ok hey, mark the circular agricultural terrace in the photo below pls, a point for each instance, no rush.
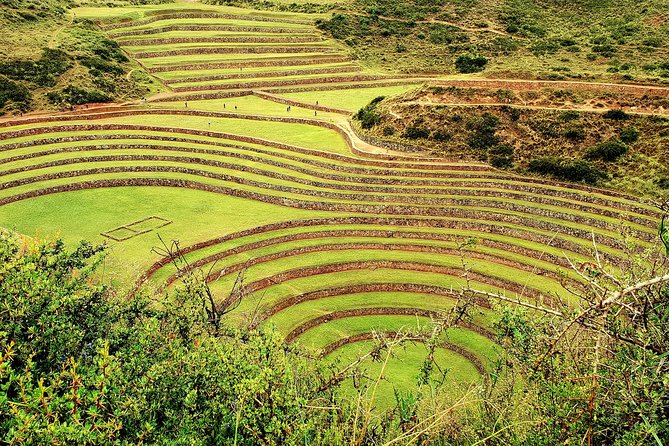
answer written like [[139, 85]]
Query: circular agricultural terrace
[[335, 239]]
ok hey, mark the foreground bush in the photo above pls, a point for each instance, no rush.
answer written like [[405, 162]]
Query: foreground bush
[[78, 367]]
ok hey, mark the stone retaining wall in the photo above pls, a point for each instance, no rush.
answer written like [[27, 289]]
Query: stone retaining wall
[[358, 312], [407, 163], [231, 39], [271, 62], [235, 50], [470, 356], [310, 271], [474, 226], [538, 85], [296, 89], [214, 77], [87, 127], [200, 15], [346, 246], [292, 202], [286, 101], [363, 288], [344, 87], [389, 195], [230, 28], [279, 83]]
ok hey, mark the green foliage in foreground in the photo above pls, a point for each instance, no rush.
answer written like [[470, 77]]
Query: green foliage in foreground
[[78, 366]]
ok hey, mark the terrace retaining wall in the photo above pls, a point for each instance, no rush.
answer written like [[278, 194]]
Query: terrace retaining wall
[[231, 39], [282, 62], [226, 28], [214, 77], [389, 194], [292, 202], [280, 83], [235, 50], [199, 15], [471, 357]]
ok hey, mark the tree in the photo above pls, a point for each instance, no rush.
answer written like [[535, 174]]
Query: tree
[[466, 63]]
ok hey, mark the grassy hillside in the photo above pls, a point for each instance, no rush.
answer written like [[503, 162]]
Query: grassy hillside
[[522, 128], [622, 40], [52, 59]]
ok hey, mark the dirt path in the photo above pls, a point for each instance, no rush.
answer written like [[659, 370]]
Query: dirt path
[[444, 22], [524, 85], [633, 110]]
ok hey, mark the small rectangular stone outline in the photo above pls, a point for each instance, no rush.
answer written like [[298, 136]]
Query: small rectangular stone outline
[[128, 227]]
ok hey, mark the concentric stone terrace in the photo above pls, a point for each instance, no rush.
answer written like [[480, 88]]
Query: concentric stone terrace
[[324, 237]]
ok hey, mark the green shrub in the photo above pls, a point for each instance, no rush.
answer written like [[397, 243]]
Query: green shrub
[[368, 116], [97, 66], [501, 156], [605, 50], [616, 114], [12, 92], [388, 130], [442, 136], [415, 132], [610, 150], [575, 133], [43, 72], [483, 135], [77, 96], [569, 115], [629, 135], [338, 26], [470, 64], [567, 169]]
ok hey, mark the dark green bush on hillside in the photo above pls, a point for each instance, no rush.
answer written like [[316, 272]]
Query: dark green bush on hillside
[[567, 169], [575, 133], [483, 132], [470, 64], [368, 116], [415, 132], [607, 151], [338, 26], [97, 66], [501, 156], [11, 92], [617, 115], [43, 72], [77, 96], [630, 135]]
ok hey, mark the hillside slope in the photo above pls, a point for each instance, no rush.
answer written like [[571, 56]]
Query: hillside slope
[[579, 39], [52, 59]]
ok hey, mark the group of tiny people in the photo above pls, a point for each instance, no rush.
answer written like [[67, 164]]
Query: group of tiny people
[[288, 108]]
